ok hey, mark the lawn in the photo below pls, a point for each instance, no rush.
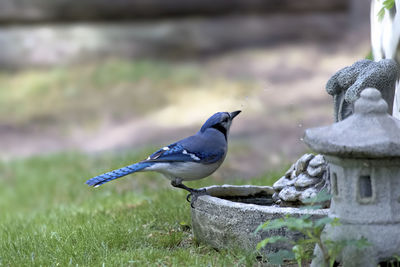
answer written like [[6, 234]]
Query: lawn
[[49, 217]]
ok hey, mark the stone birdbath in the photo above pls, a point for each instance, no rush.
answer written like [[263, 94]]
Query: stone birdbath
[[229, 215]]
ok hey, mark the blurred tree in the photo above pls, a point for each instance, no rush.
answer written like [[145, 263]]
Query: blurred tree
[[64, 10], [385, 37]]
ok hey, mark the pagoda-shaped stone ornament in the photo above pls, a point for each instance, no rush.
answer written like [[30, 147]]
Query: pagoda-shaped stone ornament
[[363, 152]]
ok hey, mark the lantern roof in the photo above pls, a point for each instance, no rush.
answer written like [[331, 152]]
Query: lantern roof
[[369, 133]]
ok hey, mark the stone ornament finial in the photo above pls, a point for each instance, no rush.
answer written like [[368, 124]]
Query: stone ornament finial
[[371, 102]]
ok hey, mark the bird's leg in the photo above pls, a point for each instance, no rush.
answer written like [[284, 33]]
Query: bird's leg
[[193, 193]]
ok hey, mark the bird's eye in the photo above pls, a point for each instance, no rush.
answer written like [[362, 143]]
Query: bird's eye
[[225, 120]]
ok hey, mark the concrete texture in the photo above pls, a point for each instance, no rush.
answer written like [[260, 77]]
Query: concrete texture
[[385, 244], [304, 179], [348, 203], [364, 163], [346, 84], [223, 223]]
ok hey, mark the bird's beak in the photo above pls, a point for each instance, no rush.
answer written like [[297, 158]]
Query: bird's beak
[[234, 114]]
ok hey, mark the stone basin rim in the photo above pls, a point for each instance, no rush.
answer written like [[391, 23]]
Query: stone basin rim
[[217, 192]]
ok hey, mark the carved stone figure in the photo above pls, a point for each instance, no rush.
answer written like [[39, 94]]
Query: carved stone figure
[[303, 180], [346, 85]]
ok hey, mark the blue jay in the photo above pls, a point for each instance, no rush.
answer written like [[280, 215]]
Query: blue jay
[[192, 158]]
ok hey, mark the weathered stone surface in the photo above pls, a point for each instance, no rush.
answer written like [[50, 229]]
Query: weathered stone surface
[[323, 183], [301, 163], [308, 171], [308, 193], [384, 243], [281, 183], [346, 85], [289, 193], [275, 198], [317, 161], [315, 171], [289, 172], [363, 152], [223, 224], [303, 180]]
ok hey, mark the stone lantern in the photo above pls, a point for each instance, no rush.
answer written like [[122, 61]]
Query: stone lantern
[[363, 152]]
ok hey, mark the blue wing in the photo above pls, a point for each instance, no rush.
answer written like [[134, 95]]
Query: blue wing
[[187, 150], [173, 152]]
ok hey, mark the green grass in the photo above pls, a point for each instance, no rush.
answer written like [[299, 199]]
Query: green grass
[[49, 217]]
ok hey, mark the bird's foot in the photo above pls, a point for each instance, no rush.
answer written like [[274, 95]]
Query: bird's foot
[[194, 194]]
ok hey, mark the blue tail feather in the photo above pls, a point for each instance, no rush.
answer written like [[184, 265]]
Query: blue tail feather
[[115, 174]]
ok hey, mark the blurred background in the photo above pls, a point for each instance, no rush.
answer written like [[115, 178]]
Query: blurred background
[[93, 85], [99, 77]]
